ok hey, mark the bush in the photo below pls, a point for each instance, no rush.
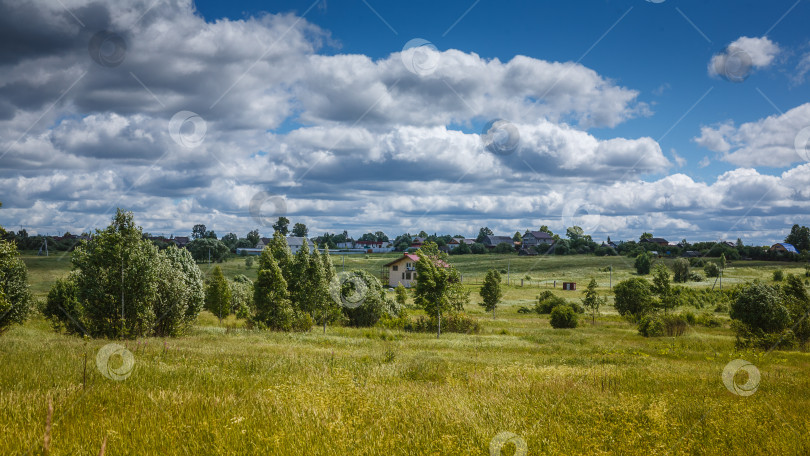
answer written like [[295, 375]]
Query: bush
[[643, 263], [451, 322], [681, 269], [163, 290], [712, 270], [760, 307], [778, 275], [524, 310], [695, 277], [374, 302], [547, 301], [747, 337], [504, 248], [689, 317], [15, 297], [563, 317], [709, 321], [662, 325], [478, 248], [697, 262], [633, 297]]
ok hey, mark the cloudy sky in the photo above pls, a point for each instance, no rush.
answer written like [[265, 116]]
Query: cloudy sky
[[688, 119]]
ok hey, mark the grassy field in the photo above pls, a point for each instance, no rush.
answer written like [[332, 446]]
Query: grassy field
[[596, 389]]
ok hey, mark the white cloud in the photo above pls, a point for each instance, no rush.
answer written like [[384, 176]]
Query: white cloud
[[741, 56], [765, 142]]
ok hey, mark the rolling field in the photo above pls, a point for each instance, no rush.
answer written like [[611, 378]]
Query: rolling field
[[596, 389]]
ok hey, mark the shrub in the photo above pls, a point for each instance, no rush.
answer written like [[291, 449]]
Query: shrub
[[778, 275], [633, 297], [681, 269], [504, 248], [162, 290], [524, 310], [15, 297], [451, 322], [374, 302], [747, 337], [708, 320], [643, 263], [689, 317], [712, 270], [662, 325], [478, 248], [563, 317], [761, 307], [547, 301], [697, 262], [695, 277]]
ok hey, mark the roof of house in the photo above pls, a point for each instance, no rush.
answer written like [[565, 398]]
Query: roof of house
[[540, 235], [789, 247], [495, 240], [414, 257], [296, 240], [656, 240]]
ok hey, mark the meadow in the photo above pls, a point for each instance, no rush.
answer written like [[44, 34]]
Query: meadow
[[596, 389]]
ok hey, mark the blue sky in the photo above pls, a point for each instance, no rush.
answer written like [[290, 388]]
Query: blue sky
[[233, 113]]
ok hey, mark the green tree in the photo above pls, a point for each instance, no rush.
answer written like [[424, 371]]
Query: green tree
[[300, 230], [592, 301], [644, 236], [517, 237], [122, 286], [365, 290], [321, 272], [662, 289], [722, 262], [241, 296], [282, 225], [270, 296], [483, 233], [491, 292], [253, 237], [15, 297], [760, 306], [437, 282], [248, 261], [198, 232], [643, 263], [180, 292], [681, 269], [205, 249], [381, 237], [633, 297], [218, 294], [800, 238], [401, 295]]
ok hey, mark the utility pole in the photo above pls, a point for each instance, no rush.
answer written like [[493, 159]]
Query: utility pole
[[508, 263]]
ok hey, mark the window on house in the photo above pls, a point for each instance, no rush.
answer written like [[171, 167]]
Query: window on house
[[407, 276], [396, 267], [403, 276]]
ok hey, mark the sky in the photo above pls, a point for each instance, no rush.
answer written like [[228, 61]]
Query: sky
[[686, 119]]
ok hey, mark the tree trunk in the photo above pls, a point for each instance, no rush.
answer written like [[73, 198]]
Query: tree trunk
[[439, 326]]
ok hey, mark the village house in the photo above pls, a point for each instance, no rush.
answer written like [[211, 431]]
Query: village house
[[660, 241], [403, 270], [294, 242], [535, 238], [492, 241], [784, 247]]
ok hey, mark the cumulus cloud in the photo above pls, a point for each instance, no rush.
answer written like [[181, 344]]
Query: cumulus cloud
[[767, 142], [347, 141], [743, 55]]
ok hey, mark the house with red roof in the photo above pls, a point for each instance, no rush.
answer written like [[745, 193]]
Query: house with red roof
[[403, 270]]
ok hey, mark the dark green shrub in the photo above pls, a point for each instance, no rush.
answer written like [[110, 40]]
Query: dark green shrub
[[778, 275], [697, 262], [708, 320], [547, 301], [643, 263], [662, 325], [761, 306], [633, 297], [689, 317], [563, 317], [695, 277], [451, 322], [712, 270], [524, 310]]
